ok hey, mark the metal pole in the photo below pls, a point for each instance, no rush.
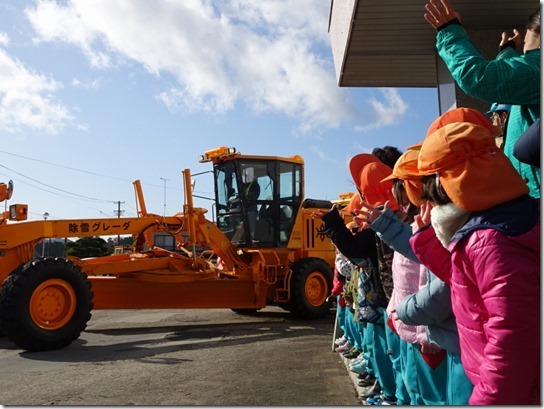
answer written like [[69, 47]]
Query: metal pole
[[118, 211], [45, 216], [335, 328], [164, 211]]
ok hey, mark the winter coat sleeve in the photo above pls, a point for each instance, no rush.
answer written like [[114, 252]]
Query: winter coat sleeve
[[354, 247], [527, 147], [337, 283], [430, 305], [507, 276], [432, 254], [506, 79], [394, 233]]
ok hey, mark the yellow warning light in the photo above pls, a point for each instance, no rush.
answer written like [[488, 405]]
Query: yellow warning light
[[215, 153]]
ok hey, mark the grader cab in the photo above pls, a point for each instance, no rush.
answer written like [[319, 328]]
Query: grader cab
[[263, 248]]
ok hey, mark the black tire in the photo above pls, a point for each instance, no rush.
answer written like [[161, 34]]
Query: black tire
[[45, 305], [7, 282], [311, 284]]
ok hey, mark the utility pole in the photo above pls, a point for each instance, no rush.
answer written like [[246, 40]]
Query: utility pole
[[164, 211], [119, 212]]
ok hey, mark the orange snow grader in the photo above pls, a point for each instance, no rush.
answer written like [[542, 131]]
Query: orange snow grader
[[262, 248]]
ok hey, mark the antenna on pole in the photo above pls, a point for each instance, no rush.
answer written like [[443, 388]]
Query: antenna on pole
[[164, 211]]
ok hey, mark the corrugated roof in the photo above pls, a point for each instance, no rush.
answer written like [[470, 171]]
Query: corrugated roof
[[391, 45]]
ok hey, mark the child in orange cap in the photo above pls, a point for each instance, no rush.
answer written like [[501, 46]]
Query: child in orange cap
[[426, 308], [486, 224], [418, 382], [366, 250]]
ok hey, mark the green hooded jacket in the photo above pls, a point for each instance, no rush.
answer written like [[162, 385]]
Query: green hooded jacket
[[511, 78]]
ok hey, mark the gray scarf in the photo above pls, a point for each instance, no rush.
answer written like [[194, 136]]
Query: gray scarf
[[446, 220]]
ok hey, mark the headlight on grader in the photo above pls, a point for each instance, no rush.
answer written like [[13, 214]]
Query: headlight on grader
[[18, 212]]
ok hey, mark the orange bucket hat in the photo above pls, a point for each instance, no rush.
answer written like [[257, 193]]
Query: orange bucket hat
[[367, 172], [460, 115], [374, 192], [456, 115], [358, 162], [406, 170], [475, 174]]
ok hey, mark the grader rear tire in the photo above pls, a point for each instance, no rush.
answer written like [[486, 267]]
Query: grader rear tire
[[310, 286], [45, 305]]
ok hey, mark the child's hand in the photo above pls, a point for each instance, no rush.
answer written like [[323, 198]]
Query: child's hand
[[370, 214], [423, 219], [319, 213], [429, 349]]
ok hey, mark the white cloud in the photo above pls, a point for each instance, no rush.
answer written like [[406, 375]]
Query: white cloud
[[93, 84], [270, 55], [26, 98], [386, 112], [324, 156], [4, 39]]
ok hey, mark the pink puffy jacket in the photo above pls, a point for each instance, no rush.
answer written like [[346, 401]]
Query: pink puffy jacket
[[408, 278], [495, 285]]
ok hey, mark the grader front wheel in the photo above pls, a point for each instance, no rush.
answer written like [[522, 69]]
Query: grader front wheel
[[45, 305], [310, 286]]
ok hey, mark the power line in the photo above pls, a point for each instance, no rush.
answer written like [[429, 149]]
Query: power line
[[56, 188], [65, 167], [82, 171]]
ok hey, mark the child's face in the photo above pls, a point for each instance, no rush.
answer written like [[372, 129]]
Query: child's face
[[404, 203]]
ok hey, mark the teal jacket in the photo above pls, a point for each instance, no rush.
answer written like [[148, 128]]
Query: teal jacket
[[511, 78]]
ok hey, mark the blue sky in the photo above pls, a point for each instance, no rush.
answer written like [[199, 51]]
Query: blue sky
[[96, 94]]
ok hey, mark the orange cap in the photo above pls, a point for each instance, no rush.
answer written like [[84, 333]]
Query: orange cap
[[415, 147], [375, 192], [460, 115], [406, 170], [475, 174], [358, 162]]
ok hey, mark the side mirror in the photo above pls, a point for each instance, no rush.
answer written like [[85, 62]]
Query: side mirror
[[6, 191]]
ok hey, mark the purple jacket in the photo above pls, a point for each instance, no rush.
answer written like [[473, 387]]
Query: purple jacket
[[495, 291]]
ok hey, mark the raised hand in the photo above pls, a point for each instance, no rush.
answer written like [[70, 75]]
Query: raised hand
[[319, 213], [440, 13], [368, 213], [423, 219], [515, 37]]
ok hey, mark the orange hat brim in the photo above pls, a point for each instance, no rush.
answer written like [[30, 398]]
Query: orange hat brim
[[358, 162]]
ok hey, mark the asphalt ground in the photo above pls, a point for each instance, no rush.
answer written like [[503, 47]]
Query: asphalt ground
[[184, 358]]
